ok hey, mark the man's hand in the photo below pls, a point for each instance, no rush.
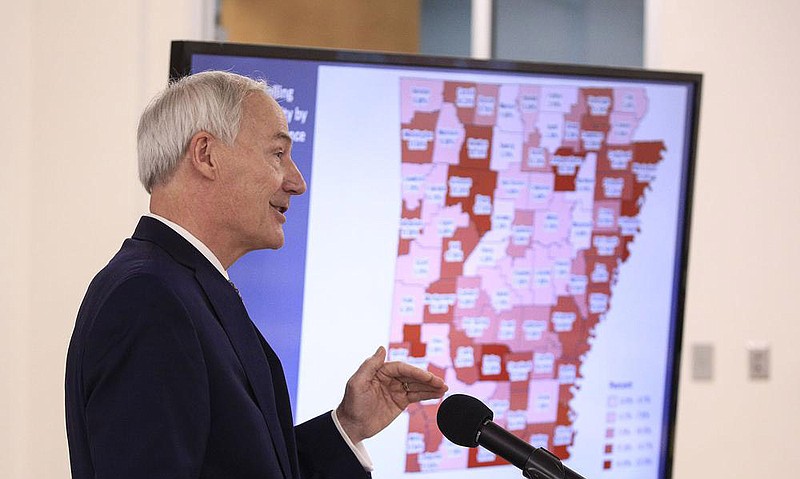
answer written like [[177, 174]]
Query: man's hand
[[378, 392]]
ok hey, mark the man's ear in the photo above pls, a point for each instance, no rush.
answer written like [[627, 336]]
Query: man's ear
[[200, 155]]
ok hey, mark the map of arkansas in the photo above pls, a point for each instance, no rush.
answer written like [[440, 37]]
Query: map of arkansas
[[519, 204]]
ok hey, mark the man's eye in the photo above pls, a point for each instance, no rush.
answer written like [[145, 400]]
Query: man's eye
[[279, 155]]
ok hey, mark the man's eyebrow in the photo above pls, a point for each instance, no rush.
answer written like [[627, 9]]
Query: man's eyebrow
[[283, 136]]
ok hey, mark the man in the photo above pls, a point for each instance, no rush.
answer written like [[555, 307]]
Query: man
[[167, 377]]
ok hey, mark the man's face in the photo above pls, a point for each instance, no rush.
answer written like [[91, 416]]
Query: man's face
[[258, 176]]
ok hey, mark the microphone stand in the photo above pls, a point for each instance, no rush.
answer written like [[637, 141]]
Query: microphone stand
[[539, 464], [543, 464]]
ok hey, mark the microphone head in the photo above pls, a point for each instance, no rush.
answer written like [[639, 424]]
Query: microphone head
[[461, 417]]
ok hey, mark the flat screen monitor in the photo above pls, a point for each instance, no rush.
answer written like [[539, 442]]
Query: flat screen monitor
[[519, 229]]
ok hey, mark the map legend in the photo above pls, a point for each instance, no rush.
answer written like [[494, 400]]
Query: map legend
[[629, 434]]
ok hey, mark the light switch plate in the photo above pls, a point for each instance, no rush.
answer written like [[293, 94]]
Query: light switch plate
[[758, 361], [702, 361]]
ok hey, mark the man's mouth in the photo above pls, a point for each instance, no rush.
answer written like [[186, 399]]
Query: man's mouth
[[281, 209]]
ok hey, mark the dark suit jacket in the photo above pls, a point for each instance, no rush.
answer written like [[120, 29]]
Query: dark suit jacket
[[167, 377]]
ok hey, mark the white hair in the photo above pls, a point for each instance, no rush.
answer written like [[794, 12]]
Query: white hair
[[209, 101]]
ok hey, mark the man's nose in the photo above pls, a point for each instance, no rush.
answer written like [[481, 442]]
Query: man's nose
[[294, 183]]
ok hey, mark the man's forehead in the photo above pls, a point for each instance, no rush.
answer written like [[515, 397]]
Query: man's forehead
[[283, 125], [261, 101], [267, 110]]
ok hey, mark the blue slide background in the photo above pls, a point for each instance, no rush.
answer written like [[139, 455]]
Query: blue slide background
[[272, 282]]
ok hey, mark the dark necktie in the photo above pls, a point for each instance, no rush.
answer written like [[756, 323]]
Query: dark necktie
[[235, 288]]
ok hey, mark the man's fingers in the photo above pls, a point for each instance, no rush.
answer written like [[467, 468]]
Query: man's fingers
[[408, 379], [411, 383], [412, 387], [372, 364], [422, 396], [379, 356], [407, 373], [435, 384]]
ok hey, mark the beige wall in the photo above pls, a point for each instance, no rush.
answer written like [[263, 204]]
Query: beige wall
[[745, 258], [15, 133], [75, 76]]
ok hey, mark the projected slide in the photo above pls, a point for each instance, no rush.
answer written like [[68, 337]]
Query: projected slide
[[518, 234], [518, 239]]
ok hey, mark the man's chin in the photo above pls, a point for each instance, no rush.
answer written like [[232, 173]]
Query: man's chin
[[273, 239], [275, 242]]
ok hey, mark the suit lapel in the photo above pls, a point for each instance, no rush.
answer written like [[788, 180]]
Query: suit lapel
[[235, 321], [282, 399], [241, 332]]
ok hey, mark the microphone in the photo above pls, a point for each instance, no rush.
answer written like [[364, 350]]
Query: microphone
[[466, 421]]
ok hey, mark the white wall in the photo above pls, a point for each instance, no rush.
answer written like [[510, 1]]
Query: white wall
[[744, 259], [75, 76]]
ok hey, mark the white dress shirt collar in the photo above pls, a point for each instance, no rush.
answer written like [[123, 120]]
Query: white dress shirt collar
[[192, 239]]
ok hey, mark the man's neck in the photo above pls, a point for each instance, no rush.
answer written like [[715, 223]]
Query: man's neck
[[194, 241], [200, 226]]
